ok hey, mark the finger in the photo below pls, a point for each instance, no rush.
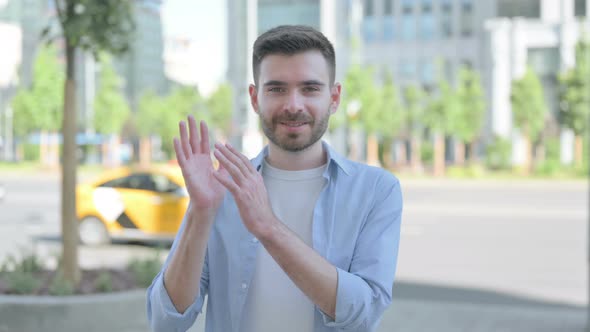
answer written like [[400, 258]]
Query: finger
[[233, 158], [184, 139], [194, 135], [244, 159], [179, 153], [229, 166], [205, 138], [226, 180]]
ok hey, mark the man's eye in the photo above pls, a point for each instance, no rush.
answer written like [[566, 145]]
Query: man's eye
[[311, 89], [276, 89]]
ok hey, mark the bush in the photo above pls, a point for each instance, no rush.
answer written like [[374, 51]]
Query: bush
[[22, 282], [498, 154], [427, 153], [60, 286], [104, 282], [145, 270]]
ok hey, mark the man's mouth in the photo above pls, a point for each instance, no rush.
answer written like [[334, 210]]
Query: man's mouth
[[293, 124]]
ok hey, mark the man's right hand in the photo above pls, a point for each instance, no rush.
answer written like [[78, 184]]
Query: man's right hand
[[193, 155]]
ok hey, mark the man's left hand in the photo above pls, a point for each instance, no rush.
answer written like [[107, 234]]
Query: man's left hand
[[247, 187]]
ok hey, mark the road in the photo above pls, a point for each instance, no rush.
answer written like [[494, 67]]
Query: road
[[468, 247]]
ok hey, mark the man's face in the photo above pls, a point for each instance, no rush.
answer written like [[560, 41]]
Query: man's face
[[294, 99]]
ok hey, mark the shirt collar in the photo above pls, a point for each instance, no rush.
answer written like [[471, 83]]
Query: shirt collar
[[333, 157]]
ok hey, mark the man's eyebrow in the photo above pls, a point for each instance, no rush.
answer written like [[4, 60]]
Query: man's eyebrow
[[275, 83], [304, 83], [312, 82]]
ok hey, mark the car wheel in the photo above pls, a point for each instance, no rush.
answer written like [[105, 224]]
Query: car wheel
[[93, 232]]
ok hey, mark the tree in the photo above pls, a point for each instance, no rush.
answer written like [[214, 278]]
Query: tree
[[151, 109], [574, 97], [414, 110], [471, 106], [443, 107], [110, 107], [93, 26], [38, 107], [220, 107], [528, 110], [387, 121]]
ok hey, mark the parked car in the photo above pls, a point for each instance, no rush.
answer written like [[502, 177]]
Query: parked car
[[130, 203]]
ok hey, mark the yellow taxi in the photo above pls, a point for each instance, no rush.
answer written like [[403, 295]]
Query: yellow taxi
[[132, 203]]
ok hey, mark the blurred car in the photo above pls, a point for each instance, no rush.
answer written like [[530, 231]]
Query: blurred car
[[127, 203]]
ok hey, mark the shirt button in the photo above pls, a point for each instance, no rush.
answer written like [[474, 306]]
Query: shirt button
[[244, 286], [254, 240]]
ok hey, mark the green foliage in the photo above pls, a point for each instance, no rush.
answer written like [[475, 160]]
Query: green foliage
[[145, 270], [498, 154], [358, 88], [104, 282], [443, 108], [220, 106], [39, 107], [110, 106], [160, 115], [20, 272], [574, 92], [414, 107], [467, 122], [60, 286], [427, 153], [528, 105], [22, 282], [31, 152], [97, 26]]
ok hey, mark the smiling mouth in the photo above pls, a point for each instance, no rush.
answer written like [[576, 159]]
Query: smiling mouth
[[293, 124]]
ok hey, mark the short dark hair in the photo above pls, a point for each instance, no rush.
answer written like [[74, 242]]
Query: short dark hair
[[290, 40]]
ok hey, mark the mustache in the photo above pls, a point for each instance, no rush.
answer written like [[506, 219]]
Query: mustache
[[289, 117]]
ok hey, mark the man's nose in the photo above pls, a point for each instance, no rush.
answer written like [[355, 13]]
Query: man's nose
[[294, 102]]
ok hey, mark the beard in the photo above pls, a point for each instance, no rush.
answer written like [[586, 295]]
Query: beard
[[294, 142]]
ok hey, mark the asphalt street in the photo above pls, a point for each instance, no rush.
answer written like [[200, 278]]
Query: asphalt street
[[474, 255]]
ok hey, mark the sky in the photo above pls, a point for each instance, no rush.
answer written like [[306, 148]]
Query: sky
[[203, 21]]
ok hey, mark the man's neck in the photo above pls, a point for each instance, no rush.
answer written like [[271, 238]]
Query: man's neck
[[312, 157]]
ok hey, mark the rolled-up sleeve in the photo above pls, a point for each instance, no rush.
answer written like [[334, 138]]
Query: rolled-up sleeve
[[161, 312], [365, 290]]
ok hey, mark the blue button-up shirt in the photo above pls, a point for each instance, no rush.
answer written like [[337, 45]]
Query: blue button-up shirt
[[356, 227]]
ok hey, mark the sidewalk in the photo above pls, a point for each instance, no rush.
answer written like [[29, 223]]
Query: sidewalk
[[432, 308]]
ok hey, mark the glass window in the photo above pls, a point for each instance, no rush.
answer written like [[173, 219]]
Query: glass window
[[446, 6], [427, 27], [388, 7], [369, 27], [407, 6], [388, 28], [580, 9], [522, 8], [141, 181], [407, 69], [426, 6], [408, 27], [426, 71], [466, 18], [368, 8]]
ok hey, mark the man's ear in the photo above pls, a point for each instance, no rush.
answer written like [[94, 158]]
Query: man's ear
[[253, 91], [335, 94]]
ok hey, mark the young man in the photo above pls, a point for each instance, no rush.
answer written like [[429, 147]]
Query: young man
[[299, 238]]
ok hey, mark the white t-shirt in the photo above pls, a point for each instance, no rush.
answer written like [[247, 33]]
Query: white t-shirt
[[274, 303]]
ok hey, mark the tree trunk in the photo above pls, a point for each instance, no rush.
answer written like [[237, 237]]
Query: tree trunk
[[69, 223], [373, 150], [416, 158], [527, 165], [145, 151], [578, 151], [401, 153], [460, 153], [43, 155], [439, 155]]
